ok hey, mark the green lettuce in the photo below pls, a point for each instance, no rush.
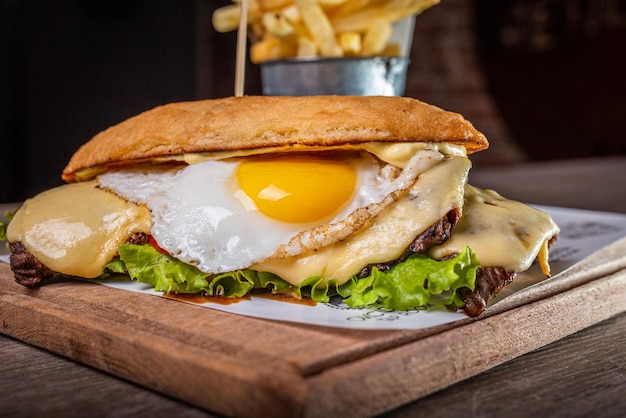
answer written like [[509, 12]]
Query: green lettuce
[[167, 274], [418, 281], [4, 225], [415, 282]]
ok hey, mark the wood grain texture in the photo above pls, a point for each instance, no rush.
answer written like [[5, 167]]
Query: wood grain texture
[[37, 383], [582, 375], [579, 376], [280, 369]]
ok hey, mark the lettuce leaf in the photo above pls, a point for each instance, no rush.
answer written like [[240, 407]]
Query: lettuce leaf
[[415, 282], [4, 225], [167, 274]]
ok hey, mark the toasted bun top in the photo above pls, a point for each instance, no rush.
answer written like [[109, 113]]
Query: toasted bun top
[[256, 122]]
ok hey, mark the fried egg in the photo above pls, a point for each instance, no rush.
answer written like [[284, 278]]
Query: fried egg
[[229, 214]]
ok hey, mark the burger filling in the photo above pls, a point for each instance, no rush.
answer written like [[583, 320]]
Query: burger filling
[[86, 231]]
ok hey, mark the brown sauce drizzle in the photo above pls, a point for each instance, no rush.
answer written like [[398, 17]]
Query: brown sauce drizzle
[[284, 297], [204, 298], [220, 300]]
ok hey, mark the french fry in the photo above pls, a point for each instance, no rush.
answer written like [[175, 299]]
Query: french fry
[[325, 4], [254, 9], [391, 50], [256, 32], [265, 50], [349, 7], [226, 19], [270, 5], [376, 37], [277, 24], [320, 28], [291, 13], [350, 42], [271, 49], [391, 11], [306, 47]]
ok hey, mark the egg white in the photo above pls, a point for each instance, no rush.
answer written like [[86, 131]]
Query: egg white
[[202, 217]]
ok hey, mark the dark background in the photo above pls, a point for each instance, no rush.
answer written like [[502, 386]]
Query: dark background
[[547, 77], [557, 70]]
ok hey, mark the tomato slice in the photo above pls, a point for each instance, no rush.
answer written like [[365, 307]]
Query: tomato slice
[[156, 246]]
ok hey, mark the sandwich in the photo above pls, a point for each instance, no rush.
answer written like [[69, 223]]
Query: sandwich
[[360, 199]]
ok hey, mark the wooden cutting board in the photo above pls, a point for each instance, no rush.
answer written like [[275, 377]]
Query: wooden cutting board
[[240, 366]]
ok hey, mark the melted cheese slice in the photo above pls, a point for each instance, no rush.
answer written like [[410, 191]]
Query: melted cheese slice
[[77, 228], [501, 232], [397, 154], [436, 192]]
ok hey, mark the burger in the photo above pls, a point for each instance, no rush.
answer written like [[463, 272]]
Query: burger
[[359, 198]]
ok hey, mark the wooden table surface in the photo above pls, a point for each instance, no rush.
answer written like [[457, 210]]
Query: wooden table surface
[[581, 375]]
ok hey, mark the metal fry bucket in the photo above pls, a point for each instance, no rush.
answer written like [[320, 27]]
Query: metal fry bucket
[[371, 76]]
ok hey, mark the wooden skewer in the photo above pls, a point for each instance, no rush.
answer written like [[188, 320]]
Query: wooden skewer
[[242, 34]]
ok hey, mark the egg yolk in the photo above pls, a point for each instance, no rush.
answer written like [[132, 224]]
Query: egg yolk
[[298, 189]]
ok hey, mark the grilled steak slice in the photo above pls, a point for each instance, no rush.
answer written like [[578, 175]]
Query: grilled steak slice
[[489, 281], [27, 269], [437, 234]]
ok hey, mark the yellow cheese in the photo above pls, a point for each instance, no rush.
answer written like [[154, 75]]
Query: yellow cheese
[[76, 229], [436, 192], [397, 154], [501, 232]]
